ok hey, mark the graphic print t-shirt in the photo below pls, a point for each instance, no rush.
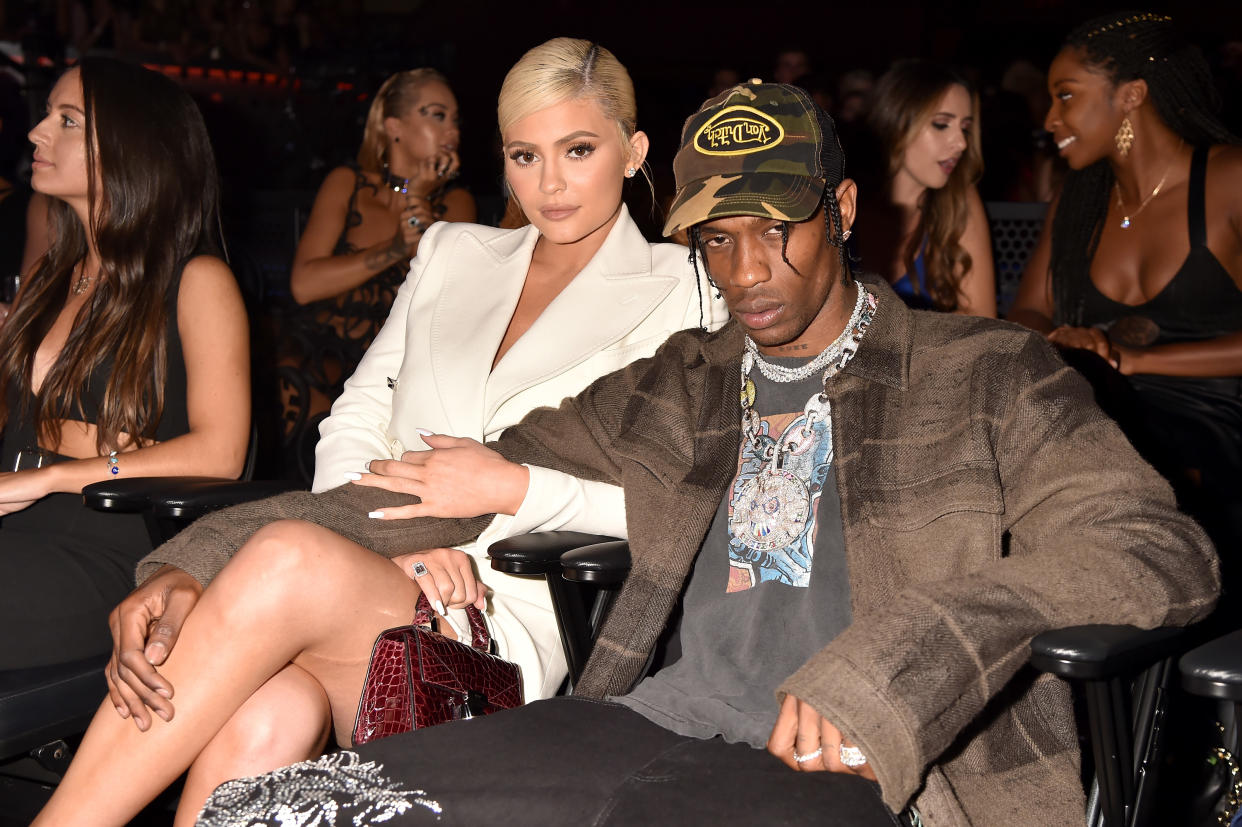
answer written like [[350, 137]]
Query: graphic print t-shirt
[[770, 585]]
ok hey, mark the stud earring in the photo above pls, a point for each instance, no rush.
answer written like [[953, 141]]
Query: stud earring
[[845, 236], [1124, 137], [629, 172]]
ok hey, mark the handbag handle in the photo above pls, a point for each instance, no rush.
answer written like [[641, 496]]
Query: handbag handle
[[479, 637]]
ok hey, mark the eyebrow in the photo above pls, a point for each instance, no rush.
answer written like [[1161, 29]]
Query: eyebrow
[[570, 138], [68, 106]]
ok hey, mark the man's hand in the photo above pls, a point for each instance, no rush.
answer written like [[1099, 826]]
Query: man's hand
[[800, 731], [457, 478], [145, 627]]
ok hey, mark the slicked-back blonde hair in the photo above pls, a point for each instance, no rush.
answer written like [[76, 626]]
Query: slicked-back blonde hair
[[565, 69], [395, 97]]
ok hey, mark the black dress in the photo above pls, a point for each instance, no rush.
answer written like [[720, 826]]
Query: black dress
[[63, 567], [1190, 428]]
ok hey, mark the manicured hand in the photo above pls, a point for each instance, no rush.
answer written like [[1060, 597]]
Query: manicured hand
[[800, 731], [446, 576], [145, 627], [456, 478]]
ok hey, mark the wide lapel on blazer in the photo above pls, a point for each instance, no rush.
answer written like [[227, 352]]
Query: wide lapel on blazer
[[613, 293], [481, 286]]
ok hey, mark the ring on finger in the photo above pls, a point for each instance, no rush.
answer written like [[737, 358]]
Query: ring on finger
[[852, 756], [810, 756], [420, 569]]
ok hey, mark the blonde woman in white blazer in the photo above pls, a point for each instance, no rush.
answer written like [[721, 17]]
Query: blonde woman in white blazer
[[430, 368], [269, 658]]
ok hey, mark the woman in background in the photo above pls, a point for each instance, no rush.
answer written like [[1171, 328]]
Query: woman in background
[[366, 225], [1139, 268], [930, 237], [125, 354]]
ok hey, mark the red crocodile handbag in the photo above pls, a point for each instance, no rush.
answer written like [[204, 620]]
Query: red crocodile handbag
[[419, 678]]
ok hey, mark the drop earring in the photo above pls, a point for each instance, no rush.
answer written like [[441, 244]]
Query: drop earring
[[1124, 137]]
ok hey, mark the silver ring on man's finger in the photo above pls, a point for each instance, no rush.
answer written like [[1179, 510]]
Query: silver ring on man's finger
[[420, 569], [810, 756], [415, 222], [852, 756]]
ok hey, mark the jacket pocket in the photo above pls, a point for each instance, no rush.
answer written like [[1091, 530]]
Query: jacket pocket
[[913, 504]]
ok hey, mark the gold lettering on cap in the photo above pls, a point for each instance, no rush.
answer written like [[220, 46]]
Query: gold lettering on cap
[[738, 130]]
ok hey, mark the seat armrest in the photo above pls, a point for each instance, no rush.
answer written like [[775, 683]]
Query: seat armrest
[[131, 495], [1214, 670], [538, 552], [1100, 652], [188, 499], [603, 564]]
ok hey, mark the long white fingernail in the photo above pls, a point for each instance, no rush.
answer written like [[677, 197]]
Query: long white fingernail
[[376, 515], [353, 475], [424, 432], [440, 607]]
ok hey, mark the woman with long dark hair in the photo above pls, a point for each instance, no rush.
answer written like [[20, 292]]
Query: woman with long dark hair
[[125, 354], [929, 237], [1140, 262]]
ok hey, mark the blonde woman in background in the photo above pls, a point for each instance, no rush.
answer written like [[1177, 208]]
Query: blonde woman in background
[[269, 657], [366, 224]]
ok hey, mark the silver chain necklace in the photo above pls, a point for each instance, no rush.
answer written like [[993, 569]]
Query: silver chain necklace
[[771, 509], [832, 353]]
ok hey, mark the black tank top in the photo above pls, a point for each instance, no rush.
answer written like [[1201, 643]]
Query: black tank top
[[1201, 302], [19, 431]]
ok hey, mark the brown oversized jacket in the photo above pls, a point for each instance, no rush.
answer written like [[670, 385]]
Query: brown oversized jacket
[[984, 496]]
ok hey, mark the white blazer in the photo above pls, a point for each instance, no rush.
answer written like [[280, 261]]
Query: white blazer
[[431, 367]]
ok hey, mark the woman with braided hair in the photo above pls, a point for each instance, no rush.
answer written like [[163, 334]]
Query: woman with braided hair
[[1141, 260]]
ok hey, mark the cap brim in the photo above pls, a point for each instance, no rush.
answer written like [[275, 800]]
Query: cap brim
[[776, 195]]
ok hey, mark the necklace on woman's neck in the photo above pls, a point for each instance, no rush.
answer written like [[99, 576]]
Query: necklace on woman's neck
[[396, 183], [83, 282], [1126, 218]]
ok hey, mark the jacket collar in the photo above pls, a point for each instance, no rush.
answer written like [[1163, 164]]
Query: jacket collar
[[884, 356], [612, 294]]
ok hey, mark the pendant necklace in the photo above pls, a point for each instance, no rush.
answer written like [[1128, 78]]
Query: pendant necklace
[[1125, 219], [771, 509], [82, 282]]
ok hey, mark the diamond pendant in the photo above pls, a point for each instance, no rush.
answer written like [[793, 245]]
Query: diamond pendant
[[1125, 222]]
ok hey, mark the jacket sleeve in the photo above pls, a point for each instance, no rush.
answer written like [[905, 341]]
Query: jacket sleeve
[[356, 431], [203, 548], [1095, 537], [571, 439]]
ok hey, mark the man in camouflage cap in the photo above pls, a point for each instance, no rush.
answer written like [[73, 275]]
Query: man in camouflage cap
[[846, 521]]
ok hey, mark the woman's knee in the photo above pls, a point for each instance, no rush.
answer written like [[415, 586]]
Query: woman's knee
[[289, 553]]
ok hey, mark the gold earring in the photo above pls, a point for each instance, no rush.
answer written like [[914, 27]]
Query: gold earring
[[1124, 137]]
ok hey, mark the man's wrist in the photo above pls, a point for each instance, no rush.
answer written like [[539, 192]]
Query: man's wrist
[[517, 489]]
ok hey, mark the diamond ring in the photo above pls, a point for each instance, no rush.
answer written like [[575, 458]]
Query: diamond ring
[[810, 756], [420, 570], [852, 756]]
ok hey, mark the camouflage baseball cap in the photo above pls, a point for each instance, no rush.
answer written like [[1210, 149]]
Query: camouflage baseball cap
[[756, 149]]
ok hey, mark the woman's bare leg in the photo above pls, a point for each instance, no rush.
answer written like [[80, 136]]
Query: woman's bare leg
[[287, 720], [295, 593]]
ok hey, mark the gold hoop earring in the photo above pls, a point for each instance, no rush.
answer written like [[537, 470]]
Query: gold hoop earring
[[1124, 137]]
